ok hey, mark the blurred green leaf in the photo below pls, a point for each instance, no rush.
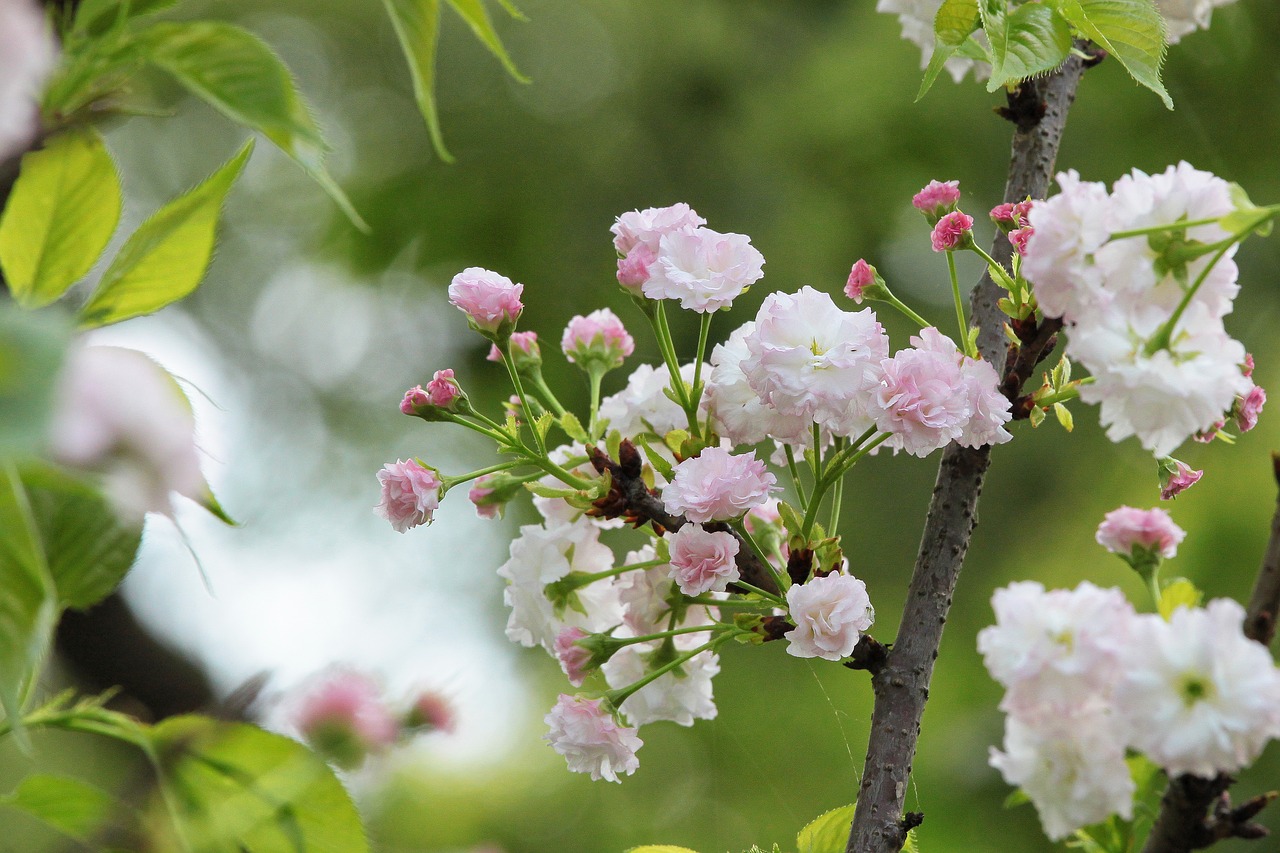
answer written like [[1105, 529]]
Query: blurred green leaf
[[87, 548], [1030, 40], [955, 21], [166, 258], [660, 848], [27, 605], [234, 787], [74, 808], [238, 74], [828, 832], [94, 16], [417, 26], [63, 210], [1178, 592], [477, 17], [31, 352], [1130, 30]]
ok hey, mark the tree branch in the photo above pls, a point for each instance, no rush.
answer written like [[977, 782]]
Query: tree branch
[[1184, 822], [1039, 110]]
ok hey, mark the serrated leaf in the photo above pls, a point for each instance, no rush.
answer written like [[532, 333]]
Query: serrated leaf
[[166, 258], [32, 346], [28, 603], [952, 26], [477, 18], [1032, 39], [657, 460], [827, 833], [1036, 416], [912, 844], [238, 74], [543, 424], [62, 212], [87, 549], [1130, 30], [74, 808], [417, 26], [791, 520], [1178, 592], [573, 427], [1063, 414]]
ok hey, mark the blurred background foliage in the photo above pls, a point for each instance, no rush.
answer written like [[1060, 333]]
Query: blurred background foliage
[[792, 122]]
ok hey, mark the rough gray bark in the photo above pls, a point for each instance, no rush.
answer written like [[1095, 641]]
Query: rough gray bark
[[1039, 110]]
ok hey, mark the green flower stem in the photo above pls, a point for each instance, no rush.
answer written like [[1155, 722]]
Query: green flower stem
[[88, 720], [998, 273], [560, 473], [960, 318], [668, 349], [1066, 393], [695, 396], [836, 469], [725, 602], [617, 697], [524, 398], [496, 433], [595, 372], [548, 397], [768, 596], [837, 494], [906, 311], [779, 578], [1273, 210], [1163, 338], [450, 482], [616, 570], [795, 473], [674, 632]]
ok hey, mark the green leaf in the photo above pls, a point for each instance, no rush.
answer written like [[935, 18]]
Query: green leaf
[[1130, 30], [827, 833], [168, 255], [912, 844], [74, 808], [1178, 592], [27, 604], [1063, 414], [417, 26], [952, 26], [236, 787], [1017, 798], [63, 210], [573, 427], [88, 550], [477, 17], [660, 848], [239, 75], [1032, 39], [96, 16], [32, 346]]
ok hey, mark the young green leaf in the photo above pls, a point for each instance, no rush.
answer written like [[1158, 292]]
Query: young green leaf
[[74, 808], [167, 256], [239, 75], [827, 833], [1178, 592], [1030, 40], [237, 787], [477, 17], [61, 213], [27, 606], [96, 16], [417, 26], [952, 26], [1130, 30]]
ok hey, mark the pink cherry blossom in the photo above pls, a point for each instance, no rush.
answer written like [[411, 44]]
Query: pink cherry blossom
[[1020, 238], [1247, 369], [1249, 407], [522, 344], [702, 560], [1175, 482], [830, 613], [704, 269], [478, 495], [410, 494], [1002, 215], [599, 336], [633, 270], [574, 659], [489, 300], [589, 739], [717, 486], [952, 231], [414, 400], [862, 276], [938, 198], [344, 717], [443, 389], [1124, 529], [647, 227]]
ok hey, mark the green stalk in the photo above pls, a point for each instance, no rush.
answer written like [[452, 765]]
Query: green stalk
[[617, 697], [795, 472], [960, 318]]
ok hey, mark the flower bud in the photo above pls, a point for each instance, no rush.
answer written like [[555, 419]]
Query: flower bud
[[633, 270], [937, 199], [524, 349], [1176, 477], [490, 301], [1140, 537], [1249, 407], [410, 494], [344, 719], [598, 338], [865, 283], [441, 397], [1019, 239], [953, 231], [430, 712]]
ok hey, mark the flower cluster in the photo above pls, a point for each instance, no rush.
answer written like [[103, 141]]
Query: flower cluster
[[345, 717], [1144, 297], [1087, 677]]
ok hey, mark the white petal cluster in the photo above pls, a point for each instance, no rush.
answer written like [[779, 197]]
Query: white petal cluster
[[679, 697], [27, 56], [704, 269], [644, 594], [544, 554], [830, 614], [1183, 17], [809, 359], [585, 733], [643, 406], [1116, 297], [916, 18], [1087, 678], [740, 414]]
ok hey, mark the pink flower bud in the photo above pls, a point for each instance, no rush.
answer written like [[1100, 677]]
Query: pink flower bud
[[703, 561], [1002, 215], [1247, 369], [1176, 477], [480, 495], [1018, 239], [633, 270], [410, 494], [1208, 435], [490, 301], [443, 389], [343, 717], [430, 712], [598, 337], [937, 198], [1249, 407], [862, 276], [415, 399], [952, 232], [1151, 533], [574, 659]]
